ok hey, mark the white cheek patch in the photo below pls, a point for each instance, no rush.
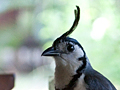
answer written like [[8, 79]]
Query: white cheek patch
[[72, 57], [78, 52]]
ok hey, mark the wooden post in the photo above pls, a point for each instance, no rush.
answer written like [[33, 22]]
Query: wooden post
[[7, 81]]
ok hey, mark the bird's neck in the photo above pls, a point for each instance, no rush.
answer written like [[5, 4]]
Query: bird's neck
[[63, 75], [67, 74]]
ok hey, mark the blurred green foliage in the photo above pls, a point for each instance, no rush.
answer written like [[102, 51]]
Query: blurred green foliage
[[101, 45], [98, 30], [104, 51]]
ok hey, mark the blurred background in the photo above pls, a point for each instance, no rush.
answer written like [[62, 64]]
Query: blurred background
[[27, 27]]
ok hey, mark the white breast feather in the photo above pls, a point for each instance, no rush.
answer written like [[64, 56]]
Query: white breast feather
[[81, 85]]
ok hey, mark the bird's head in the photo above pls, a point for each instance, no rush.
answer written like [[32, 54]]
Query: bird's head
[[67, 49]]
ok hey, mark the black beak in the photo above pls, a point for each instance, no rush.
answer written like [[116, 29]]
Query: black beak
[[50, 52]]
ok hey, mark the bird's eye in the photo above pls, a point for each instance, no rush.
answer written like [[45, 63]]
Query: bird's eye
[[70, 48]]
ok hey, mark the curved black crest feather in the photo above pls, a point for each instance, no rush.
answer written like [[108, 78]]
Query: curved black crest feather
[[77, 17], [75, 23]]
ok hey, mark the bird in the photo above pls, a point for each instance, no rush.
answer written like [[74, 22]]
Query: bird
[[73, 70]]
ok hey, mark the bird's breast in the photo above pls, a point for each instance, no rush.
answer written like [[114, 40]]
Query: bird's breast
[[81, 85]]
